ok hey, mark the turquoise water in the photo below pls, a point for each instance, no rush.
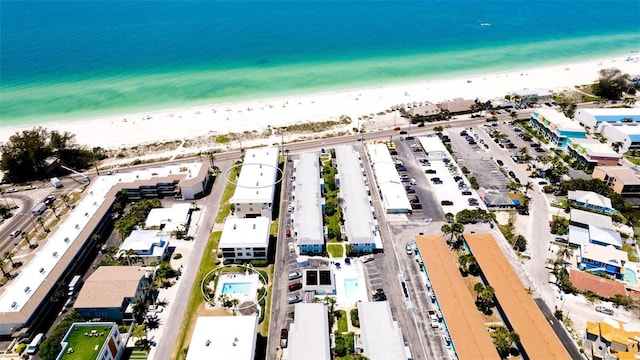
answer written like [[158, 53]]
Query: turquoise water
[[237, 288], [630, 276], [68, 60], [351, 289]]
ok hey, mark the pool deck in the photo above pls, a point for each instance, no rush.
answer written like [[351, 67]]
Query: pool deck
[[345, 272], [235, 279]]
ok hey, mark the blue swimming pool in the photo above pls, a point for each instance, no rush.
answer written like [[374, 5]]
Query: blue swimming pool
[[351, 289], [630, 276], [243, 288]]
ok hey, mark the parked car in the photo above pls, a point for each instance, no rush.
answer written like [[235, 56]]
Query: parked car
[[539, 149], [446, 202], [379, 297], [155, 308], [12, 190], [543, 183], [410, 190], [367, 258], [377, 291], [604, 310], [295, 286], [409, 249], [429, 171], [295, 275], [294, 299], [466, 192], [412, 181], [284, 337]]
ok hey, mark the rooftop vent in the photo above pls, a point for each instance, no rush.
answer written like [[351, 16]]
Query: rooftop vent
[[27, 289], [66, 239], [234, 226], [207, 343], [55, 254], [41, 270], [14, 305]]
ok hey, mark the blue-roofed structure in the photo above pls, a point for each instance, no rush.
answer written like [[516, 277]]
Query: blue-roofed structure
[[627, 135]]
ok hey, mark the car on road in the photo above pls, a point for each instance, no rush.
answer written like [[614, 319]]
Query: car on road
[[155, 308], [295, 275], [396, 128], [403, 132], [30, 187], [410, 138], [294, 299], [15, 233], [295, 286], [604, 310], [543, 183], [409, 249], [379, 297], [12, 190]]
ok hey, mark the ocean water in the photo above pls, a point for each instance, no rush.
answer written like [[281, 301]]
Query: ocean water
[[65, 60]]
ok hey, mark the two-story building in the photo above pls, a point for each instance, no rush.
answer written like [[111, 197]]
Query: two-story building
[[256, 184], [625, 136], [145, 245], [245, 239], [110, 293], [621, 179], [611, 339], [591, 153], [556, 127], [308, 204], [92, 340], [593, 118]]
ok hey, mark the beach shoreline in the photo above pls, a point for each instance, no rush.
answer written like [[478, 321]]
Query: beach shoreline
[[127, 130]]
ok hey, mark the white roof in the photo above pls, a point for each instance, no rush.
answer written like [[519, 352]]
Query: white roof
[[309, 333], [307, 220], [604, 254], [606, 236], [172, 218], [258, 176], [593, 147], [245, 232], [622, 112], [359, 222], [557, 120], [531, 92], [18, 292], [432, 146], [381, 336], [144, 240], [589, 218], [228, 337], [624, 128], [393, 192], [578, 235], [590, 197]]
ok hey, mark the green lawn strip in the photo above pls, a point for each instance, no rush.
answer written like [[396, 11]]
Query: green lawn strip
[[206, 265], [263, 328], [336, 250], [341, 315], [273, 230], [633, 257], [225, 207]]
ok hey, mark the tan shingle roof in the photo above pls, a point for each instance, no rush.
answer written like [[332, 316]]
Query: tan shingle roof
[[108, 285]]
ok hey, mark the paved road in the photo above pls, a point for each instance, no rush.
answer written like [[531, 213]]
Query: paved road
[[209, 206], [560, 331]]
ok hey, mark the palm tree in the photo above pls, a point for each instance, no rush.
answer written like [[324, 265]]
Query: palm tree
[[26, 237], [528, 186], [617, 145], [51, 205], [514, 115], [40, 220], [139, 331], [563, 254], [65, 200], [447, 230], [7, 255], [139, 308], [513, 186], [457, 229], [4, 272], [478, 288], [449, 217]]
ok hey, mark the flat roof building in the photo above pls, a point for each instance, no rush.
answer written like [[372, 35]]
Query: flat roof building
[[433, 147], [556, 127], [110, 292], [621, 179], [627, 135], [169, 219], [360, 224], [381, 336], [457, 106], [464, 322], [26, 296], [591, 153], [309, 333], [256, 183], [392, 191], [146, 245], [596, 116], [244, 239], [536, 335], [224, 337], [92, 340], [532, 95], [308, 222]]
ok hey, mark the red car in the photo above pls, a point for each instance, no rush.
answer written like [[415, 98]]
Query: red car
[[295, 286], [396, 128]]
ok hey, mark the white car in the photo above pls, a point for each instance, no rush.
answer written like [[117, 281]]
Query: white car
[[412, 181], [155, 308], [295, 275]]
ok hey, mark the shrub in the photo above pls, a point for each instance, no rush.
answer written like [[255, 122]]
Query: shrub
[[355, 320]]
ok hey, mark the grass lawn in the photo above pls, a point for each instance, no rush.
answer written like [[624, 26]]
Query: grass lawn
[[633, 257], [84, 346], [139, 354], [273, 230], [341, 316], [225, 207], [335, 250]]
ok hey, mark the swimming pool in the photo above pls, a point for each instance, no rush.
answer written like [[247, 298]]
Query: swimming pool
[[243, 288], [351, 289], [630, 276]]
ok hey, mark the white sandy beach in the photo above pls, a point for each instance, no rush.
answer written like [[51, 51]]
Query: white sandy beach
[[177, 124]]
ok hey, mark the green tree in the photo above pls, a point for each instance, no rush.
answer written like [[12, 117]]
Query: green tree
[[520, 243], [50, 347], [503, 340], [611, 84]]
